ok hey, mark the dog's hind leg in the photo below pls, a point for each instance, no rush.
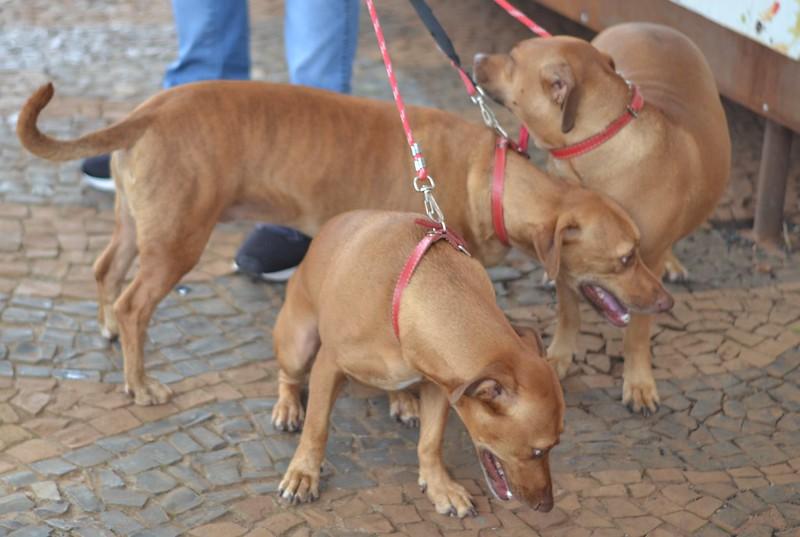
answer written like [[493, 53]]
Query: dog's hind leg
[[163, 260], [296, 341], [112, 266]]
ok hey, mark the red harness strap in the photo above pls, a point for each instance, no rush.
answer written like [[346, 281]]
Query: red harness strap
[[435, 234], [584, 146], [499, 182]]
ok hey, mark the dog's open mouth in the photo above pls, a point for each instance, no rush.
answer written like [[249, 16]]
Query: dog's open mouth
[[607, 304], [495, 475]]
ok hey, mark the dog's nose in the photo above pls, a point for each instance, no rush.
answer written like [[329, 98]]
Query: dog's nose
[[665, 302], [545, 505], [478, 64]]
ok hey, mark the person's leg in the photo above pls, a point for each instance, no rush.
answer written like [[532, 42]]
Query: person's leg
[[213, 41], [321, 38], [213, 44], [271, 252]]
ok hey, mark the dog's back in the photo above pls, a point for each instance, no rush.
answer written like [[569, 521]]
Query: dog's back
[[352, 267], [675, 77]]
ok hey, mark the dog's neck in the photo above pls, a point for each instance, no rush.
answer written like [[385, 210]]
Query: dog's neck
[[622, 151], [448, 345], [532, 199]]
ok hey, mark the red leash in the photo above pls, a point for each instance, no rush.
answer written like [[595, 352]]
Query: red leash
[[416, 153], [520, 16], [435, 233], [422, 183]]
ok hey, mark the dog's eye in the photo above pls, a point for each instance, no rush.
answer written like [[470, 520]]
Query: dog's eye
[[626, 260], [538, 453]]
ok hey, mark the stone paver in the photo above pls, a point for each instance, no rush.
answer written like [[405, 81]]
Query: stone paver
[[77, 458]]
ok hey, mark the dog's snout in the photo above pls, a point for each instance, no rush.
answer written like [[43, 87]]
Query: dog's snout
[[478, 67], [665, 302], [545, 505]]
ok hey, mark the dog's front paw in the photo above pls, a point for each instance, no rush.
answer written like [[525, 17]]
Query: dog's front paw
[[287, 415], [148, 391], [404, 407], [674, 271], [640, 394], [109, 333], [560, 365], [559, 360], [299, 484], [448, 497]]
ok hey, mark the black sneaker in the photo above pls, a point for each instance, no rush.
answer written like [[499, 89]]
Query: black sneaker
[[97, 173], [271, 253]]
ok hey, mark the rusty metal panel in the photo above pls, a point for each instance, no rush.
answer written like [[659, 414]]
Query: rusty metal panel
[[747, 72]]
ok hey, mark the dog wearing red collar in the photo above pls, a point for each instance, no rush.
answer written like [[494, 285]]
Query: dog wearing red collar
[[451, 338], [299, 156], [634, 114]]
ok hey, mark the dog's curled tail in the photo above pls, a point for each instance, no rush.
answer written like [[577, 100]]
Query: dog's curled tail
[[117, 136]]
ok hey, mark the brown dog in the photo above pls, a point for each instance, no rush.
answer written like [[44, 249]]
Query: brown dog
[[198, 153], [452, 338], [668, 167]]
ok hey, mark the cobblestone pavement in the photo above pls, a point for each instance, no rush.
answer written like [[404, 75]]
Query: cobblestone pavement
[[77, 458]]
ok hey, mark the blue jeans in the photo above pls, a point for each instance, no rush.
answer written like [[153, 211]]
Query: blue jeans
[[214, 42]]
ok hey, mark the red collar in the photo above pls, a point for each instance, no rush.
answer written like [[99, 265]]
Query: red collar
[[435, 233], [584, 146], [499, 179]]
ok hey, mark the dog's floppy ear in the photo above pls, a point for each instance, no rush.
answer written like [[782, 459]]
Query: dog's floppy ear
[[558, 81], [547, 242], [531, 337], [491, 386]]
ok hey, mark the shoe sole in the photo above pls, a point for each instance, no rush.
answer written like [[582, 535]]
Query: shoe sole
[[276, 277], [103, 185]]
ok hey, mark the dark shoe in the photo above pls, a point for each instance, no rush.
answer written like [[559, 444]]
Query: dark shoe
[[97, 173], [271, 253]]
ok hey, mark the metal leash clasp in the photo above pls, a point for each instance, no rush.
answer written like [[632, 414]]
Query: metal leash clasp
[[426, 185], [487, 113]]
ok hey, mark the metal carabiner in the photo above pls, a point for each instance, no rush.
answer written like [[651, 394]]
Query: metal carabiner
[[489, 118], [425, 187], [433, 210]]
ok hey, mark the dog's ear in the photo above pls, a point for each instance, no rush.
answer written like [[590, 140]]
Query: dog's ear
[[547, 241], [609, 60], [558, 81], [492, 386], [531, 337]]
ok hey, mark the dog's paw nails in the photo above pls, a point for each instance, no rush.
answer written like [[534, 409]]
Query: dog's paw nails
[[108, 334], [404, 408], [148, 392], [450, 498], [299, 485], [287, 415], [473, 512], [641, 397]]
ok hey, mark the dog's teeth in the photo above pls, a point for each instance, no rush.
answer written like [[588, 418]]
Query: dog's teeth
[[626, 317]]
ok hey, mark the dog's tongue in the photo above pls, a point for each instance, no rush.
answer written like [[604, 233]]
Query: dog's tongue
[[609, 306]]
